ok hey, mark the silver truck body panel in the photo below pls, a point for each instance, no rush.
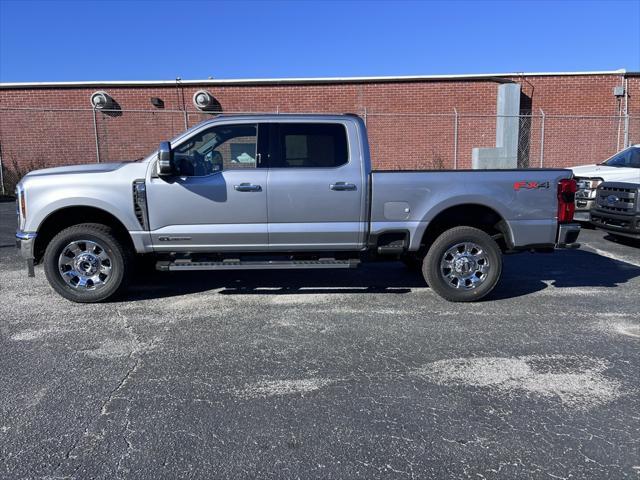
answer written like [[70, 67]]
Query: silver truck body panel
[[295, 209], [195, 212], [106, 186], [305, 213], [530, 214]]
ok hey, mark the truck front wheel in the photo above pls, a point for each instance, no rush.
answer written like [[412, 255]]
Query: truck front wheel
[[87, 263], [463, 264]]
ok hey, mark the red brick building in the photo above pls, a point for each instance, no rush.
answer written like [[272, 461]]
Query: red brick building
[[413, 122]]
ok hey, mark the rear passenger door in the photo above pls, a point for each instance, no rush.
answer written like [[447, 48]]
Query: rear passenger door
[[314, 188]]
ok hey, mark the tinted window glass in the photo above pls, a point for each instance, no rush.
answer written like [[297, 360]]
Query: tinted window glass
[[626, 158], [226, 147], [312, 145]]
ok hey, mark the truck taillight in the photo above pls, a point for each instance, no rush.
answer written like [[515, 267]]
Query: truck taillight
[[566, 200]]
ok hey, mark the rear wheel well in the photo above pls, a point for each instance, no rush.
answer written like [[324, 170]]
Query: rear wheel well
[[66, 217], [470, 215]]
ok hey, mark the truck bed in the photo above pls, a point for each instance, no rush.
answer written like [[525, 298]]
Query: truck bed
[[525, 199]]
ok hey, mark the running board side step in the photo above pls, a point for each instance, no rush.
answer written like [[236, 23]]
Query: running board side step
[[234, 264]]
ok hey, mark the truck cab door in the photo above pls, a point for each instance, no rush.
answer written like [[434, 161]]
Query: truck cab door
[[217, 201], [315, 188]]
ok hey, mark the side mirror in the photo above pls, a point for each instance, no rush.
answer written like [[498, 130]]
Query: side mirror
[[165, 160]]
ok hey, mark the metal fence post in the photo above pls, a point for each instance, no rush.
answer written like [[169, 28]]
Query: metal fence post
[[626, 130], [95, 132], [1, 172], [626, 113], [542, 139], [455, 139]]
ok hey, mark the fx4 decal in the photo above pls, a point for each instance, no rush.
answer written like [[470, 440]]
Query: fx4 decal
[[529, 185]]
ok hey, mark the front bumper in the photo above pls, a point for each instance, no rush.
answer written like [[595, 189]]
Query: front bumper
[[567, 235], [582, 216], [626, 225], [25, 242], [583, 209]]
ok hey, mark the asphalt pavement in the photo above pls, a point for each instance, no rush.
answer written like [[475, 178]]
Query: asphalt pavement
[[360, 373]]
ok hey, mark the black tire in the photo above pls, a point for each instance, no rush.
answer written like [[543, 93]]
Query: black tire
[[433, 271], [118, 255]]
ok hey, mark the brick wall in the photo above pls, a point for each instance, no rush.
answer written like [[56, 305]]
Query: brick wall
[[411, 124]]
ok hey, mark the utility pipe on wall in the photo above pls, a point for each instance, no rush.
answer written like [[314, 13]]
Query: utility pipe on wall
[[542, 139]]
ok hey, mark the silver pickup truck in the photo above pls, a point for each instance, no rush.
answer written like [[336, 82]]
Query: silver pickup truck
[[283, 192]]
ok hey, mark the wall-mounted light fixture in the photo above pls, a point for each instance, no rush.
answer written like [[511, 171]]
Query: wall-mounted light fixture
[[101, 100], [157, 102], [203, 100]]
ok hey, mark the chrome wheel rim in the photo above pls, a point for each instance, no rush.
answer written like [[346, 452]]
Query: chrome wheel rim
[[465, 266], [85, 265]]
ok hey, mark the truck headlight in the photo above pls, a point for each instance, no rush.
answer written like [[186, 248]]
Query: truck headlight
[[22, 202], [587, 187]]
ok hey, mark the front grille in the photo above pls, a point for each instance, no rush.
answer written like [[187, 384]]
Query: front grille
[[618, 189], [615, 198]]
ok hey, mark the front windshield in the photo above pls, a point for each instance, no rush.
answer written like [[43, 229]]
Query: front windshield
[[629, 158]]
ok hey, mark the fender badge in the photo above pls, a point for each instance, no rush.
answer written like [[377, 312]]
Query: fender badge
[[529, 185], [173, 239]]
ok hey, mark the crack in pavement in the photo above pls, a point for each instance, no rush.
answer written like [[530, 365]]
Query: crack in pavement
[[134, 362]]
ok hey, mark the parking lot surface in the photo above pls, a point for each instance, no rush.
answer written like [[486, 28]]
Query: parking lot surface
[[326, 374]]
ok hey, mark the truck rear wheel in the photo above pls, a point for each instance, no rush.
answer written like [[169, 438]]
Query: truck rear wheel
[[87, 263], [463, 264]]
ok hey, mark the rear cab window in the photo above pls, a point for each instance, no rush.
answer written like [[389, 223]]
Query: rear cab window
[[309, 145]]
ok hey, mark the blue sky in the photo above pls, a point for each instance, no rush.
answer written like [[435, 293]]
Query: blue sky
[[145, 40]]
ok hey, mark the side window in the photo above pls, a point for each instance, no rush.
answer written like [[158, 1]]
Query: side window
[[225, 147], [311, 145]]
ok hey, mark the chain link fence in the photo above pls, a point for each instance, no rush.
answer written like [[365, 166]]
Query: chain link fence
[[446, 141], [39, 138]]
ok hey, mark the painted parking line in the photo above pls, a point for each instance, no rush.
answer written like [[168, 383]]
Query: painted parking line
[[613, 256]]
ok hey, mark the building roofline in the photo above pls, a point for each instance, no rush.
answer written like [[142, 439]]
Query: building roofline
[[497, 77]]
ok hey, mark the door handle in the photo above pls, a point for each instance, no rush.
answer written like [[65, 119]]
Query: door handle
[[248, 187], [342, 186]]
